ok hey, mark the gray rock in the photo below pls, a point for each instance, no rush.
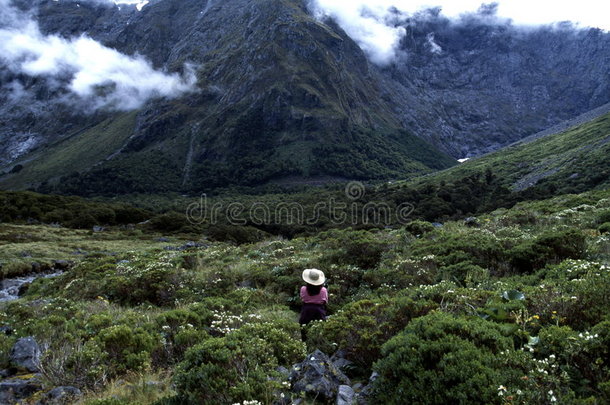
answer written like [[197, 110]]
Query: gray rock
[[98, 228], [60, 396], [317, 376], [471, 222], [362, 397], [346, 395], [61, 264], [12, 391], [26, 354]]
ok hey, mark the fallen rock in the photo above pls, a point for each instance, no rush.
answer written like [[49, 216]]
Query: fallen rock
[[339, 360], [13, 390], [472, 222], [362, 397], [317, 376], [23, 288], [25, 353], [61, 264], [345, 396], [60, 396]]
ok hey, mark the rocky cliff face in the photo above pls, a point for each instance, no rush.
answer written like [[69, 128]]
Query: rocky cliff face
[[479, 83], [280, 93]]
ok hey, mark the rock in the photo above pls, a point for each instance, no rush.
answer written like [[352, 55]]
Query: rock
[[60, 395], [317, 376], [26, 354], [471, 222], [339, 360], [98, 228], [6, 373], [23, 288], [362, 397], [163, 239], [437, 224], [11, 391], [345, 396], [7, 330], [36, 267], [61, 264]]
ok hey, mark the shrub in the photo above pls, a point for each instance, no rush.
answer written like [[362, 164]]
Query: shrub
[[128, 349], [226, 370], [549, 248], [441, 359], [604, 228], [417, 228], [361, 328], [359, 248], [603, 217]]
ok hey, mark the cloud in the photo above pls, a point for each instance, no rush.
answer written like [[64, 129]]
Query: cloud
[[376, 24], [369, 23], [93, 72]]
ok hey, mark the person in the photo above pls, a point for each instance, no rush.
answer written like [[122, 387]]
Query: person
[[314, 297]]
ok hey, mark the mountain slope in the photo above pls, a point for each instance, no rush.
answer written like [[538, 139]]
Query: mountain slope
[[281, 94], [572, 161], [294, 98]]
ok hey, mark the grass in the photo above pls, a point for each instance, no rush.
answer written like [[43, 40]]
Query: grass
[[75, 153], [21, 245], [582, 149]]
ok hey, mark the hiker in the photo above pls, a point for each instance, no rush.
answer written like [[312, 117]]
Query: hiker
[[314, 296]]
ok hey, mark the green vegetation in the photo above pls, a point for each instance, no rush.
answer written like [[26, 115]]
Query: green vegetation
[[524, 287]]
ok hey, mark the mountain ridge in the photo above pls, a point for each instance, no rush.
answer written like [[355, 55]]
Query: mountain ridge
[[281, 93]]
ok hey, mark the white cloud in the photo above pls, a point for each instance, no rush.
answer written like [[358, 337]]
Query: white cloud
[[371, 22], [367, 22], [94, 72]]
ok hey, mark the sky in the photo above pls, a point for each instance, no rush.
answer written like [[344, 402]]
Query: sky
[[370, 22]]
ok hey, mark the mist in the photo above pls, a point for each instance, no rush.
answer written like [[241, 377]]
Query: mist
[[99, 76], [377, 26]]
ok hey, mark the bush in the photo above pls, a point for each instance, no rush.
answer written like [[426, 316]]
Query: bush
[[359, 248], [417, 228], [128, 349], [228, 369], [361, 328], [549, 248], [604, 228], [440, 359]]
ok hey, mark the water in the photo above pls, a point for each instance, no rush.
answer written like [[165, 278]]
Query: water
[[9, 288]]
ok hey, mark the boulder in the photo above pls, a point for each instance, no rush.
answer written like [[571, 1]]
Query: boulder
[[60, 396], [362, 397], [25, 353], [61, 264], [345, 396], [472, 222], [340, 361], [16, 389], [317, 376]]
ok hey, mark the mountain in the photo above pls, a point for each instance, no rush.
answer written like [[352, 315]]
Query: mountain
[[279, 93]]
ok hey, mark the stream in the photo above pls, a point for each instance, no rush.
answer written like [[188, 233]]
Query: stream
[[9, 288]]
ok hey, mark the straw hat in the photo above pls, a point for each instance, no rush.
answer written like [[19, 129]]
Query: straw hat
[[314, 276]]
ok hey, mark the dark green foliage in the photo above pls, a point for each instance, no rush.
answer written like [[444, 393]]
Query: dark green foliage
[[548, 248], [362, 327], [236, 367], [72, 212], [604, 228], [170, 222], [441, 359], [359, 248], [127, 348], [603, 217], [418, 228]]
